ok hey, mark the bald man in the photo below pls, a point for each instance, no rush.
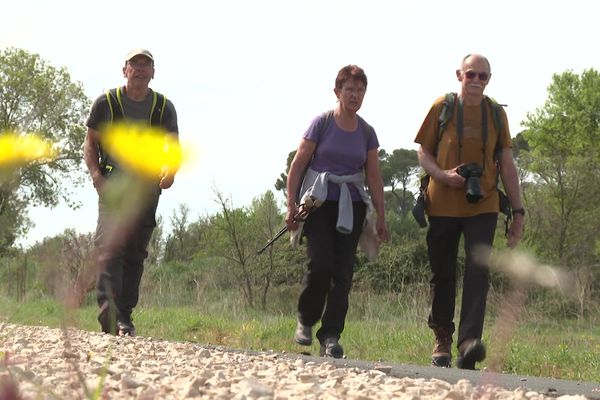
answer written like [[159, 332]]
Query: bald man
[[469, 153]]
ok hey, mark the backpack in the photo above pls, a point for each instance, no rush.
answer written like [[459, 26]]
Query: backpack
[[446, 114], [115, 106]]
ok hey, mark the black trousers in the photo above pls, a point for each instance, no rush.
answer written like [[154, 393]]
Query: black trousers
[[443, 239], [328, 279], [121, 241]]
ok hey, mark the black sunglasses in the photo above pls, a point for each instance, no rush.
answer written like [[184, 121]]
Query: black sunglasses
[[483, 76]]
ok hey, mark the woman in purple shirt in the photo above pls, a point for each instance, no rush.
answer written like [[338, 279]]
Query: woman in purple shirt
[[338, 151]]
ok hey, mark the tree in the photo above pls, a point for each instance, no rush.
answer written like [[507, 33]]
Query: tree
[[239, 233], [398, 170], [237, 243], [187, 238], [63, 265], [267, 219], [563, 166], [157, 243], [38, 98], [281, 182]]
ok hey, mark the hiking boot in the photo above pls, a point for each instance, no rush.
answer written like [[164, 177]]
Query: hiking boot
[[107, 319], [303, 334], [331, 348], [125, 329], [442, 351], [471, 351]]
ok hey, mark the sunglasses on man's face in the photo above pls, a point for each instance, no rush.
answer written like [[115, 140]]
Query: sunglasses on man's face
[[483, 76]]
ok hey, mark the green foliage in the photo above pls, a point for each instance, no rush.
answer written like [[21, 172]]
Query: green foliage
[[281, 182], [187, 238], [239, 233], [62, 262], [562, 164], [399, 170], [554, 354], [395, 268], [38, 98]]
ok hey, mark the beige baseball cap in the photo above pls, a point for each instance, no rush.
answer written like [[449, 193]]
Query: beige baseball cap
[[139, 52]]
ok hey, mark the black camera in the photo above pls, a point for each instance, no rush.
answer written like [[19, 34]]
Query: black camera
[[418, 211], [472, 172]]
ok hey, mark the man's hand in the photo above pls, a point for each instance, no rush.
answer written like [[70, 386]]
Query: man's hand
[[515, 231], [450, 178], [98, 180], [166, 179]]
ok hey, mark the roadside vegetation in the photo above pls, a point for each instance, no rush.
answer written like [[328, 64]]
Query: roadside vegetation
[[205, 283]]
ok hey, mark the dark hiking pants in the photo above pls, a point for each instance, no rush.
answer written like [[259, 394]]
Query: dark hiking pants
[[331, 260], [443, 239], [121, 245]]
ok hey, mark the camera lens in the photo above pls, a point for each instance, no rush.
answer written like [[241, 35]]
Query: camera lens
[[474, 193]]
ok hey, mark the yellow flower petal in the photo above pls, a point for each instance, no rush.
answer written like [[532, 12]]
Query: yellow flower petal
[[144, 150]]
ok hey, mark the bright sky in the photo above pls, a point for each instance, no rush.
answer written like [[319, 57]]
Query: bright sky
[[247, 76]]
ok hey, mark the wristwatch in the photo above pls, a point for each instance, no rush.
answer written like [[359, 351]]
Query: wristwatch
[[518, 211]]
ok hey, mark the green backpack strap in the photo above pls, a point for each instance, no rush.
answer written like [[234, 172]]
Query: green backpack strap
[[504, 202], [498, 125], [115, 104], [156, 114], [445, 115]]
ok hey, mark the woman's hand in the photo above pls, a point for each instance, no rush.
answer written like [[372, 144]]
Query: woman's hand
[[382, 231], [290, 222]]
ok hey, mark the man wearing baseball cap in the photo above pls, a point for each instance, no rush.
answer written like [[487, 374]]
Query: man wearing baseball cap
[[139, 52], [127, 201]]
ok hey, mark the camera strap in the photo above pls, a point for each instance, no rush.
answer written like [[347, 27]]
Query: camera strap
[[460, 127]]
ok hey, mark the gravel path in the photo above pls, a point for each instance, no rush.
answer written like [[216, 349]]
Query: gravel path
[[39, 362]]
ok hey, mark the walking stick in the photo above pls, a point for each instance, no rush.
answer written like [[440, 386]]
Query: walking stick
[[303, 210]]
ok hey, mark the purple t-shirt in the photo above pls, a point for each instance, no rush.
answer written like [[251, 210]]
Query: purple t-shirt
[[340, 152]]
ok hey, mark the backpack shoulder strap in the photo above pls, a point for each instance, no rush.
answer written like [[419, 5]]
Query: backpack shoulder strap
[[156, 113], [497, 120], [496, 113], [367, 130], [324, 122], [115, 103], [446, 114]]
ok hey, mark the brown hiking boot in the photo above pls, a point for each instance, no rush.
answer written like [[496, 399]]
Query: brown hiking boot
[[442, 352], [471, 351]]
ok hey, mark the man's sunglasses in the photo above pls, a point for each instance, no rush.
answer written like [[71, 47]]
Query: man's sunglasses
[[483, 76]]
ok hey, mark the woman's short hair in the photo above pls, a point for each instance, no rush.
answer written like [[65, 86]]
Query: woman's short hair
[[350, 72]]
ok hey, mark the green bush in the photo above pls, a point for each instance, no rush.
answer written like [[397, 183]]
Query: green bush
[[395, 267]]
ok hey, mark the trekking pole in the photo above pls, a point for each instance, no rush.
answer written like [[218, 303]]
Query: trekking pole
[[303, 210], [273, 239]]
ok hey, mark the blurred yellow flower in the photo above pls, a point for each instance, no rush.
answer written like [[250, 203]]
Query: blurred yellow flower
[[145, 150], [17, 150]]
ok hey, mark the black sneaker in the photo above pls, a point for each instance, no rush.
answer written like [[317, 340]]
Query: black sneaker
[[303, 334], [471, 351], [125, 329], [331, 348]]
